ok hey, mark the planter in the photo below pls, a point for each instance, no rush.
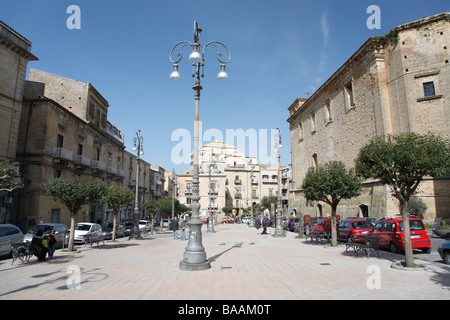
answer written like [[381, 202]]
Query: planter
[[441, 233]]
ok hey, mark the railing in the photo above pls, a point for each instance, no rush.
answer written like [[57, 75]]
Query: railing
[[95, 164], [62, 153], [83, 160]]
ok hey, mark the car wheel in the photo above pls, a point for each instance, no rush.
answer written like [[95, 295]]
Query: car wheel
[[393, 248], [426, 250], [447, 257]]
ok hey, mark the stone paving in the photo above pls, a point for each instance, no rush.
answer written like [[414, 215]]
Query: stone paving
[[245, 265]]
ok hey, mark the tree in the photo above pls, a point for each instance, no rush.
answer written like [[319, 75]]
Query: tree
[[116, 197], [152, 207], [402, 161], [266, 202], [9, 177], [74, 194], [331, 183]]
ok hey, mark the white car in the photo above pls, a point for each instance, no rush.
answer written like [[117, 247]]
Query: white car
[[145, 225], [84, 228]]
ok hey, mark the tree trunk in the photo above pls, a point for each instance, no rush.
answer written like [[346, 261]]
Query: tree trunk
[[333, 226], [113, 236], [409, 257], [72, 231]]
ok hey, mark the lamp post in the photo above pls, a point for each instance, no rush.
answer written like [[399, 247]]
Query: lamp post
[[252, 219], [139, 148], [279, 231], [194, 258]]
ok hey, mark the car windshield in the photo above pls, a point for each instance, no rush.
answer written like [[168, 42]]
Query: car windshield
[[108, 225], [82, 227], [413, 225], [42, 227], [361, 224]]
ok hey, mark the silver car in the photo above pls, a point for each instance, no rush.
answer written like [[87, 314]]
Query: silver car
[[9, 234], [60, 231]]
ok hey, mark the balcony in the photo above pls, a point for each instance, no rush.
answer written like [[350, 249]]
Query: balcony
[[237, 181], [237, 195], [267, 180], [82, 161], [61, 153], [111, 170], [98, 165], [213, 191]]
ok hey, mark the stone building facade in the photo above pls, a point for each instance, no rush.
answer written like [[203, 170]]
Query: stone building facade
[[14, 57], [391, 84], [55, 142]]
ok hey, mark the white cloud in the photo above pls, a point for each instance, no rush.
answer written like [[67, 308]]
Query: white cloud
[[324, 26]]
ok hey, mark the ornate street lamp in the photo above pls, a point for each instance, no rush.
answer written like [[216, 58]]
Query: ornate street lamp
[[139, 148], [279, 231], [195, 255]]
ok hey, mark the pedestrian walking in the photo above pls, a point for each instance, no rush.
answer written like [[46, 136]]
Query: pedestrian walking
[[50, 243], [174, 226], [266, 223], [257, 223], [182, 230]]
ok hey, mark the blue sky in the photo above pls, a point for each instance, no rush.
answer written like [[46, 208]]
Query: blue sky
[[280, 50]]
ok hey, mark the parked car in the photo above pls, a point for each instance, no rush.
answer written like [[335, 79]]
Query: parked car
[[9, 234], [444, 252], [228, 220], [349, 228], [128, 227], [84, 228], [145, 225], [60, 231], [390, 232], [107, 230]]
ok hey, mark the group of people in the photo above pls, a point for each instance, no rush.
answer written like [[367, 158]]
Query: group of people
[[178, 225], [264, 223], [37, 244]]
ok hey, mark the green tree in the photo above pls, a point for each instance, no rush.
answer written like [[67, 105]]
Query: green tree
[[152, 207], [331, 183], [74, 194], [267, 201], [9, 177], [402, 161], [116, 197]]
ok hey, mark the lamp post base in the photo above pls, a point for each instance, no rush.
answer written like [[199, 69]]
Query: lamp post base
[[279, 231], [194, 258], [210, 226]]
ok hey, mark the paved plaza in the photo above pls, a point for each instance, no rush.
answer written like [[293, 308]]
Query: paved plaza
[[245, 265]]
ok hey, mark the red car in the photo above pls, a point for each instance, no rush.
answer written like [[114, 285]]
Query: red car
[[349, 228], [390, 232]]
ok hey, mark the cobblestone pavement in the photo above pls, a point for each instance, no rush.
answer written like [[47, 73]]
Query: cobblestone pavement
[[244, 265]]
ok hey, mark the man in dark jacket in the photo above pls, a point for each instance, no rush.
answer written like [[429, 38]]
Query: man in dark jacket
[[174, 226], [36, 245]]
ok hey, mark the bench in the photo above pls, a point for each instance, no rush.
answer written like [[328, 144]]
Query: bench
[[362, 242], [317, 235], [21, 251], [91, 239]]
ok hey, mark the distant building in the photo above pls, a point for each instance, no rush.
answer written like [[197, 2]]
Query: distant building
[[228, 179], [391, 84]]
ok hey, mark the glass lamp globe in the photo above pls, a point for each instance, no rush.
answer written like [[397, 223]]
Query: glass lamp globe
[[222, 75]]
